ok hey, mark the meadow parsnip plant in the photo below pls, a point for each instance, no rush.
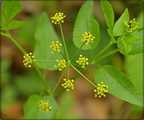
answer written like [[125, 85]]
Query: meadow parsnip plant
[[51, 53]]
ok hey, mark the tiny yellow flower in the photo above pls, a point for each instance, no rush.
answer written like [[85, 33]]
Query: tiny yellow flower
[[55, 46], [61, 63], [130, 26], [44, 106], [68, 84], [87, 38], [82, 61], [58, 18], [100, 90], [28, 59]]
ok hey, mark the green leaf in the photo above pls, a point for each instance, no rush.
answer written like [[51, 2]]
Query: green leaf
[[29, 37], [131, 38], [85, 22], [2, 21], [5, 74], [140, 20], [32, 111], [108, 13], [138, 46], [45, 35], [65, 105], [119, 25], [127, 47], [126, 44], [11, 9], [135, 41], [25, 84], [14, 24], [9, 95], [119, 84], [134, 67]]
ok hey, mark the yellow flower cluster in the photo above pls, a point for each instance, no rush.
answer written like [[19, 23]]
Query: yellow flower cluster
[[58, 18], [68, 84], [100, 90], [55, 46], [61, 63], [130, 26], [28, 59], [87, 38], [44, 106], [82, 61]]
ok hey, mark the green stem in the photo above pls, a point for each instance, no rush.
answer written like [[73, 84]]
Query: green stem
[[56, 86], [42, 92], [62, 55], [3, 34], [77, 51], [80, 72], [75, 64], [68, 71], [110, 53], [16, 43], [91, 53], [45, 61], [119, 40], [10, 37], [64, 42], [61, 91], [83, 76], [42, 78], [98, 65], [24, 52], [103, 50]]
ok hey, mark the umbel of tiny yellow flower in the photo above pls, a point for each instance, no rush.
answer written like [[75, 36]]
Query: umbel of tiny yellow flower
[[28, 59], [130, 26], [44, 106], [87, 38], [61, 63], [58, 18], [68, 84], [100, 90], [55, 46], [82, 61]]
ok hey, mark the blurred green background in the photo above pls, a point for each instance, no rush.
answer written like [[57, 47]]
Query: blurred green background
[[18, 83]]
